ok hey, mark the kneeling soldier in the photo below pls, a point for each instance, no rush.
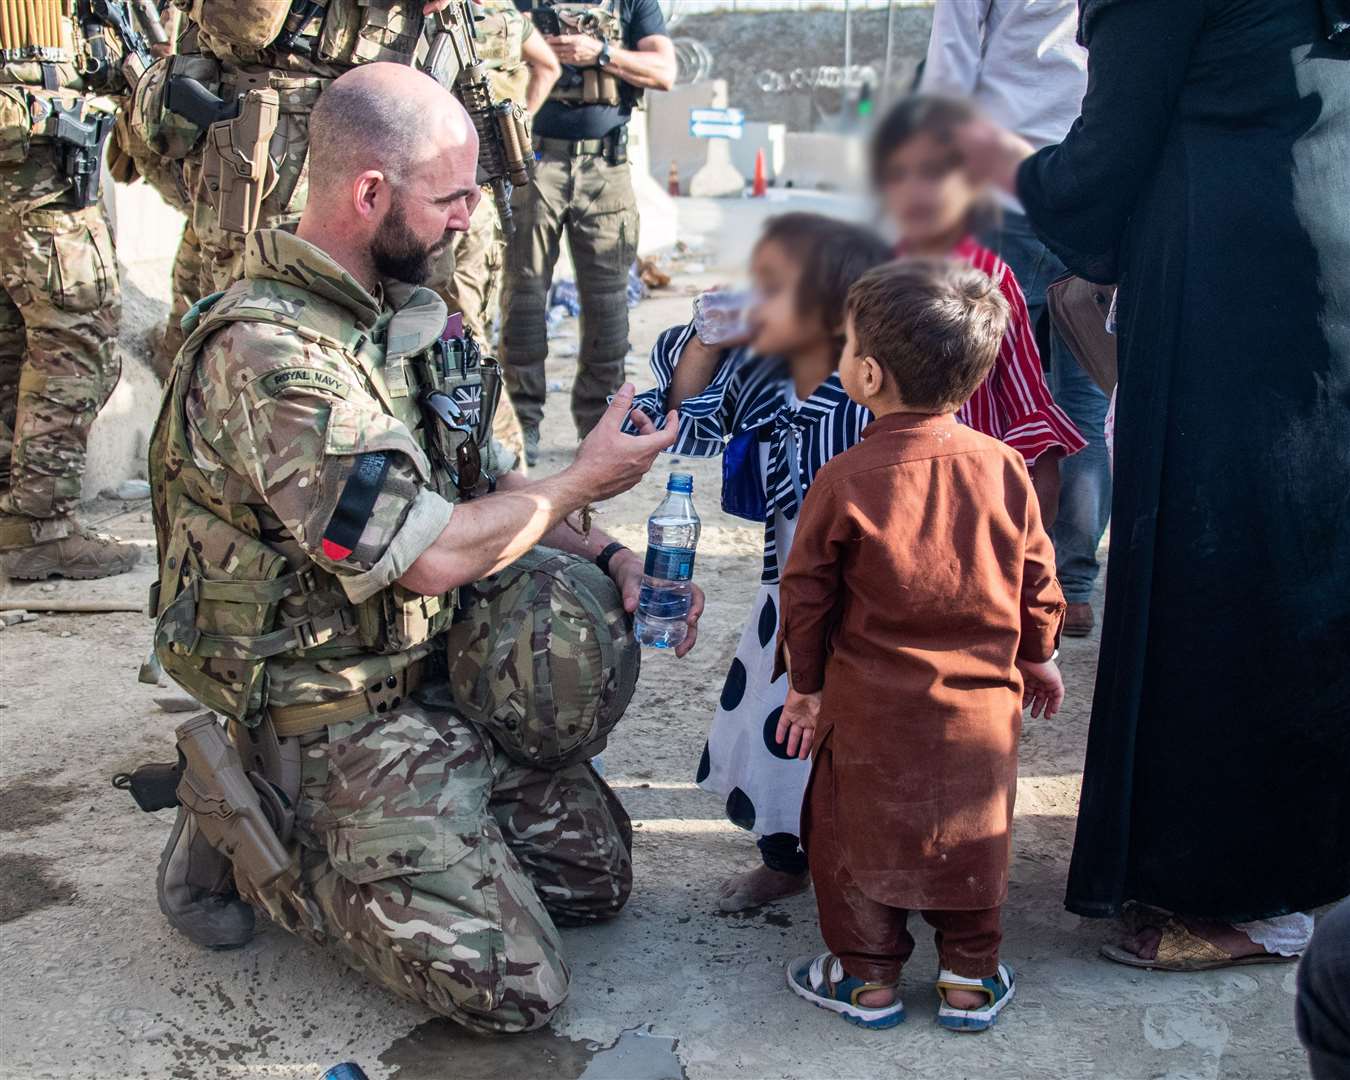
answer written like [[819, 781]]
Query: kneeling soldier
[[326, 487]]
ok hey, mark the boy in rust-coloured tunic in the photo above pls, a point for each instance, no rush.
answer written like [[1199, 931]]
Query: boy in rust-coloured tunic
[[920, 615]]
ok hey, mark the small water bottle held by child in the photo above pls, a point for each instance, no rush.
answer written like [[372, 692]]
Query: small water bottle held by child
[[722, 315], [667, 580]]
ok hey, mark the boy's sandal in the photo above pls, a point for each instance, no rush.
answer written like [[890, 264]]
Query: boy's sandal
[[822, 981], [998, 989], [1181, 950]]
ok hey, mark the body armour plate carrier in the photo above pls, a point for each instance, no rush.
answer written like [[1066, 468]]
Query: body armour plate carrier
[[227, 602]]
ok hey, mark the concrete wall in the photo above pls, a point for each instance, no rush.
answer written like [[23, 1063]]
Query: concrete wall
[[668, 129], [827, 162], [771, 138]]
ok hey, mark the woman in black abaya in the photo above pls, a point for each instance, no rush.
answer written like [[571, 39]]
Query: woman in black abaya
[[1210, 175]]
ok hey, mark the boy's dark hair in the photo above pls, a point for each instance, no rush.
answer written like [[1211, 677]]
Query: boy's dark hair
[[934, 324], [917, 114], [833, 255]]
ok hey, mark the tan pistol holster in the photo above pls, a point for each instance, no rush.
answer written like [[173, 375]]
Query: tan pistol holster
[[237, 171]]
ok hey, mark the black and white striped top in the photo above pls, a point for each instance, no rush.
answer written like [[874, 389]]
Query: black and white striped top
[[751, 393]]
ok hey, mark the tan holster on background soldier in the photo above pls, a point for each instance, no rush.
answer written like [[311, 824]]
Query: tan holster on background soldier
[[237, 171]]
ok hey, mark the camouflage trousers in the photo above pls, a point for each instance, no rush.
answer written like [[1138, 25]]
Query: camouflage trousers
[[441, 869], [59, 313], [468, 278], [593, 203]]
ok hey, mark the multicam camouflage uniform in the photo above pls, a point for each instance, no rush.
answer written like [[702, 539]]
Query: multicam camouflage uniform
[[166, 177], [469, 274], [422, 855], [59, 313], [346, 33]]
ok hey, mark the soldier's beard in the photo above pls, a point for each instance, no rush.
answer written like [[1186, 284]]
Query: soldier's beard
[[397, 253]]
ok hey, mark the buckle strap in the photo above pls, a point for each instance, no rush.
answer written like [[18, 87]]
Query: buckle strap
[[379, 697], [571, 147], [259, 592], [297, 637]]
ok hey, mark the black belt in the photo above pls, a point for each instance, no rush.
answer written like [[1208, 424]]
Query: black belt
[[574, 147]]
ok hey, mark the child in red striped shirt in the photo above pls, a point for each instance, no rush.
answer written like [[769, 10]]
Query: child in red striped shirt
[[926, 191]]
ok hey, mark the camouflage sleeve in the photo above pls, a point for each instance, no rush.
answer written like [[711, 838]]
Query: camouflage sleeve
[[345, 479]]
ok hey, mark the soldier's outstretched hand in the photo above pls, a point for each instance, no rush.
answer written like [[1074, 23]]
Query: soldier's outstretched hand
[[609, 462]]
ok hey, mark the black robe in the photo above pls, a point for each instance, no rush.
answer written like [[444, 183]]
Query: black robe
[[1210, 175]]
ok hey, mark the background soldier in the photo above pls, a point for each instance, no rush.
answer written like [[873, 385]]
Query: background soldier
[[61, 300], [317, 506], [468, 275], [610, 50]]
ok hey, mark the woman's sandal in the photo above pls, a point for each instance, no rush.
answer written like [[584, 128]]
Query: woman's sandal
[[1181, 950], [822, 981], [998, 989]]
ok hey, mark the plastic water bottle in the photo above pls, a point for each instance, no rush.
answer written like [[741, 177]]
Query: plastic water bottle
[[667, 580]]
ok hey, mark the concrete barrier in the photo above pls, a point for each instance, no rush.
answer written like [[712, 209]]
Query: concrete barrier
[[668, 129], [823, 161], [771, 138]]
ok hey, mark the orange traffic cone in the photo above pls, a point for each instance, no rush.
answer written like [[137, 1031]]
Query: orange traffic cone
[[761, 185], [673, 179]]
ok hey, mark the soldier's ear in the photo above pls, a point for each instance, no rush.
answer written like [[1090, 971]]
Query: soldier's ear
[[370, 190]]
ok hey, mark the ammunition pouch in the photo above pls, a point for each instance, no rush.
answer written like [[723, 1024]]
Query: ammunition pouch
[[237, 170], [16, 125], [247, 24], [167, 133], [217, 627]]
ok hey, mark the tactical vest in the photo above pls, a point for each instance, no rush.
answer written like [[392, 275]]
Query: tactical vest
[[500, 40], [337, 34], [43, 56], [238, 623], [592, 85]]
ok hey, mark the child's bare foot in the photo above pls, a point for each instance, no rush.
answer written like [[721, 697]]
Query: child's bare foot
[[878, 999], [966, 999], [758, 887]]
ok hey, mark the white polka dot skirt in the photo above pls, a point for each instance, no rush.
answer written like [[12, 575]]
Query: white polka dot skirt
[[742, 761]]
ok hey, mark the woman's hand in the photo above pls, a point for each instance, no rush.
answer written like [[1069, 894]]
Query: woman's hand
[[797, 723], [991, 154], [1042, 687]]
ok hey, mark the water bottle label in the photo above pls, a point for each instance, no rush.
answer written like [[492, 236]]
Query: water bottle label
[[669, 564]]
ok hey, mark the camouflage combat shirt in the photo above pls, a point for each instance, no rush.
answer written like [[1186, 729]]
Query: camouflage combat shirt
[[278, 418]]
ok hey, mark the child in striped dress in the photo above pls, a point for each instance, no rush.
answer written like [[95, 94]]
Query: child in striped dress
[[930, 197], [774, 405]]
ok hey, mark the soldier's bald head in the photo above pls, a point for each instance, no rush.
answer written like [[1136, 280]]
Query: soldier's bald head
[[393, 166], [386, 117]]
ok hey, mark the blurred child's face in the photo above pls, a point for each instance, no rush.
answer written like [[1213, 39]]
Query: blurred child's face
[[926, 191], [778, 325]]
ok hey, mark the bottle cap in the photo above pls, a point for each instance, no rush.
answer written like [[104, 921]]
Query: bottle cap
[[681, 481]]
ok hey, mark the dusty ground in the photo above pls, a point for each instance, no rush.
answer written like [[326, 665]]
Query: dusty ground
[[95, 983]]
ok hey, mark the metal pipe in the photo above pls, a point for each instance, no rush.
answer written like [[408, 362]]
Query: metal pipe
[[889, 69], [848, 39]]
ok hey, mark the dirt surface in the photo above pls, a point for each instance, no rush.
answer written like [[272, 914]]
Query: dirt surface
[[96, 984]]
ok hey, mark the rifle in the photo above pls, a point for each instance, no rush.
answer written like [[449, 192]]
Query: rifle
[[96, 16], [81, 141], [505, 156], [236, 165]]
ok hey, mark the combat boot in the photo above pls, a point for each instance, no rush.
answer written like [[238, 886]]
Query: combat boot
[[61, 547], [196, 890], [530, 437]]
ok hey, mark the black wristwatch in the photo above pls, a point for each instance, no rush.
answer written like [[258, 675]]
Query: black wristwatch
[[605, 57], [602, 560]]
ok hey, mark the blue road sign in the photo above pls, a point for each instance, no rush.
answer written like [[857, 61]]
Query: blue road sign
[[716, 123]]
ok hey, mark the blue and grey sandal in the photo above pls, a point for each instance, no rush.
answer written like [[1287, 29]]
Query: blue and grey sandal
[[822, 981], [997, 988]]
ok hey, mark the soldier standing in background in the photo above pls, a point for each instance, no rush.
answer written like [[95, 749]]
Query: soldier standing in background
[[611, 50], [468, 274], [61, 300]]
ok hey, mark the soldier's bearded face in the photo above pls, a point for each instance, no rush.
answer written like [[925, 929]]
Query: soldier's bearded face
[[396, 250]]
